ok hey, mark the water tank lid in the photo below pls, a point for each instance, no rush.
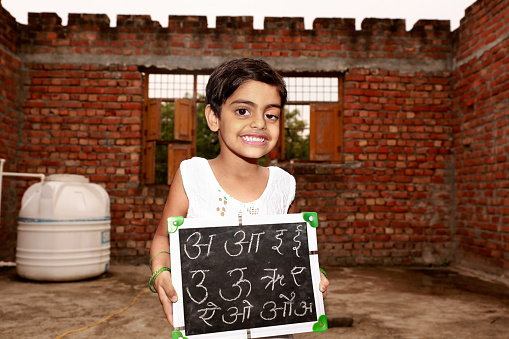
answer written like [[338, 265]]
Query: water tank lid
[[67, 178]]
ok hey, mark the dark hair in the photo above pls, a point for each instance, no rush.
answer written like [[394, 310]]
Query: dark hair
[[230, 75]]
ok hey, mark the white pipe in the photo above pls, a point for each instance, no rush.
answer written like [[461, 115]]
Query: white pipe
[[28, 175], [14, 174]]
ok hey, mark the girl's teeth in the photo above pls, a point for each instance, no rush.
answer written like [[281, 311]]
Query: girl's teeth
[[248, 138]]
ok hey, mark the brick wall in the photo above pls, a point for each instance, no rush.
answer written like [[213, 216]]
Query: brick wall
[[390, 202], [11, 122], [84, 107], [481, 142]]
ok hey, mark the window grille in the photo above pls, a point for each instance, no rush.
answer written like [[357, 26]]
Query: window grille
[[312, 89], [170, 86], [300, 89], [201, 84]]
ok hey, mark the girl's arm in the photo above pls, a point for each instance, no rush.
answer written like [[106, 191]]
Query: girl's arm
[[176, 205]]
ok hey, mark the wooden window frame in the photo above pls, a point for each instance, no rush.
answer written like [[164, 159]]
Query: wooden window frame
[[320, 151], [325, 130]]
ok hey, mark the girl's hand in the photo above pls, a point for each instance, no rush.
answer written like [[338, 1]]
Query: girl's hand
[[167, 294], [324, 284]]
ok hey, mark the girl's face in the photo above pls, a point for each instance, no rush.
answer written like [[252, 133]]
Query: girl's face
[[249, 124]]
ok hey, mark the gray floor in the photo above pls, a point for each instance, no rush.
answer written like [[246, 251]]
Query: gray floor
[[362, 303]]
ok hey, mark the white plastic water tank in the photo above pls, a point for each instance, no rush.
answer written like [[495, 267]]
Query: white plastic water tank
[[63, 230]]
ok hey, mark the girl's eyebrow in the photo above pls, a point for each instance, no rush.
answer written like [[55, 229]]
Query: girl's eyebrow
[[252, 104]]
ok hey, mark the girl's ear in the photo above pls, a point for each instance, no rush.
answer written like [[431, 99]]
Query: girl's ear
[[212, 119]]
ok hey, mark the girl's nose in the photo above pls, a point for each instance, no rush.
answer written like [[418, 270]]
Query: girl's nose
[[258, 121]]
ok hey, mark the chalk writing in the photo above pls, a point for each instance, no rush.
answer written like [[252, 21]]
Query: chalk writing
[[273, 279], [278, 237], [245, 277], [295, 272], [297, 241], [237, 284], [245, 314], [199, 285], [241, 242], [285, 309], [196, 245], [208, 313]]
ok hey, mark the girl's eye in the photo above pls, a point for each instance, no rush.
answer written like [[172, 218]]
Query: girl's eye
[[242, 111], [271, 116]]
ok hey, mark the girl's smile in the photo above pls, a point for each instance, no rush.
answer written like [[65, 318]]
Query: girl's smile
[[254, 140]]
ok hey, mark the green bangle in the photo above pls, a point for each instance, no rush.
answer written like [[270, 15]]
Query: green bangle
[[325, 274], [151, 282], [150, 261]]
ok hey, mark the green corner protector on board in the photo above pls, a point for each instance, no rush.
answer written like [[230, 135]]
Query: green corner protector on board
[[177, 335], [321, 325], [311, 218], [174, 223]]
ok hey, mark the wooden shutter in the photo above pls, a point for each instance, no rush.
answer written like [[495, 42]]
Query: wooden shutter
[[184, 119], [326, 132], [177, 152], [149, 162], [152, 120], [184, 134], [151, 132]]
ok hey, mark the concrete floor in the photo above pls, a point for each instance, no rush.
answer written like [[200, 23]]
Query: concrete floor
[[380, 302]]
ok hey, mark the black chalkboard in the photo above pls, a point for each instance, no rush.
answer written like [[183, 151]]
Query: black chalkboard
[[243, 277]]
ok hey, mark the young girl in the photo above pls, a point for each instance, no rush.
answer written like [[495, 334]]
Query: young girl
[[245, 99]]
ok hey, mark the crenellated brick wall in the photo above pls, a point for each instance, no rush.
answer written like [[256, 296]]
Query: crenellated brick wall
[[481, 136], [393, 199], [187, 43]]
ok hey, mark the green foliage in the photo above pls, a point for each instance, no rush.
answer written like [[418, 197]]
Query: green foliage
[[161, 175], [296, 142], [167, 123], [167, 120], [207, 142]]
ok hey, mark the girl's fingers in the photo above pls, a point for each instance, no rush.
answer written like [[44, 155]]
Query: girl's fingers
[[324, 284], [167, 294]]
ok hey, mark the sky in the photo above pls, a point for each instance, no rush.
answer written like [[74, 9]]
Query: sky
[[159, 10]]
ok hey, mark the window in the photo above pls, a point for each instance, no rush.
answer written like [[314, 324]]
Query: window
[[175, 129], [313, 118]]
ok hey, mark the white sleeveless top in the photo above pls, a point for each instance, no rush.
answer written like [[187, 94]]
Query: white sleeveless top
[[208, 199]]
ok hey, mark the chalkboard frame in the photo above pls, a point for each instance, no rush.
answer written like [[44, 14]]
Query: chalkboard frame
[[311, 220]]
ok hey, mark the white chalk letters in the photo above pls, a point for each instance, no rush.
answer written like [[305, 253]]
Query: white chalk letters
[[224, 294]]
